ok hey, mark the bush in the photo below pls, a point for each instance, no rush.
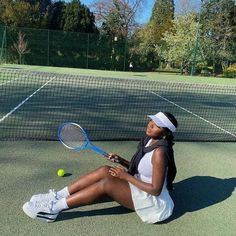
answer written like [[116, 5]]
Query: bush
[[230, 72]]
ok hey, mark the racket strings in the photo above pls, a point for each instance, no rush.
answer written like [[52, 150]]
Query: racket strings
[[73, 136]]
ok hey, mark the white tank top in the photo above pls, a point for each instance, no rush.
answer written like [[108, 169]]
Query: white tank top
[[145, 167]]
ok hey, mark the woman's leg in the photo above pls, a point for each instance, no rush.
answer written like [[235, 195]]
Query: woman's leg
[[92, 187], [115, 188], [89, 179]]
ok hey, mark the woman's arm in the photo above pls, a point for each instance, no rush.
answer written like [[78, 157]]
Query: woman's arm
[[158, 174]]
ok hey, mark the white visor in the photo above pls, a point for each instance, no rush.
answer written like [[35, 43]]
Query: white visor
[[162, 121]]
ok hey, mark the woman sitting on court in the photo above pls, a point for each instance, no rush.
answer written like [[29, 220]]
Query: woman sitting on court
[[143, 184]]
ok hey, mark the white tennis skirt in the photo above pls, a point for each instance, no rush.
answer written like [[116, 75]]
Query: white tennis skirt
[[149, 208]]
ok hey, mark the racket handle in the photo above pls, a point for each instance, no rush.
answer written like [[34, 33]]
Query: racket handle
[[121, 161], [99, 151], [124, 162]]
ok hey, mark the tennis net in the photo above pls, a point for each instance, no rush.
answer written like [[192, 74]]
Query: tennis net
[[34, 104]]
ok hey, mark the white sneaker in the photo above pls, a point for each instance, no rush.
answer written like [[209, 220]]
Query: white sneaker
[[40, 211], [50, 196]]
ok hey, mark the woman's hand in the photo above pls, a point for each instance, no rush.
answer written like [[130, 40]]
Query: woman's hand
[[114, 158], [117, 159], [118, 172]]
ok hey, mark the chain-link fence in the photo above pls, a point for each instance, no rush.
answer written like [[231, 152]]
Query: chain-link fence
[[58, 48]]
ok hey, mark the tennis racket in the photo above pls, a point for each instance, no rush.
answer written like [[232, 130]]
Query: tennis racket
[[74, 137]]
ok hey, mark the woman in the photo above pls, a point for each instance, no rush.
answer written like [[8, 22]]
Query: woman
[[141, 184]]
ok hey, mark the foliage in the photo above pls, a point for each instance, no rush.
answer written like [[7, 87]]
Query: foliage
[[116, 17], [180, 42], [146, 43], [230, 72], [53, 16], [114, 26], [20, 13], [71, 16], [78, 18], [218, 31], [141, 52], [161, 20]]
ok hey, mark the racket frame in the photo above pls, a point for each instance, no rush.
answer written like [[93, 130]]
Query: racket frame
[[87, 145]]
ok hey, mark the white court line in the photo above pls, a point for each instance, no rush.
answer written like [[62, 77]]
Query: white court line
[[199, 117], [20, 104]]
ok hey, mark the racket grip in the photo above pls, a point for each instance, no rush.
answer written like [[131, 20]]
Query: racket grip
[[124, 162], [121, 161], [100, 151]]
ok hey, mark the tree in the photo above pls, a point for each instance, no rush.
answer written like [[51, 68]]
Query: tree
[[116, 20], [25, 13], [1, 11], [20, 14], [117, 17], [53, 17], [141, 51], [152, 34], [161, 20], [43, 4], [78, 18], [180, 41], [21, 46], [218, 31]]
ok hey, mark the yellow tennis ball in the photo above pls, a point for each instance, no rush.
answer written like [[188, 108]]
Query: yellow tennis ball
[[60, 172]]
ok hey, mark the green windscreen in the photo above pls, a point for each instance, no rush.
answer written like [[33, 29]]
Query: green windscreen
[[64, 49]]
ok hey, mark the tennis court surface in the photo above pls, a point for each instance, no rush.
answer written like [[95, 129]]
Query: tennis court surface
[[205, 200], [113, 111]]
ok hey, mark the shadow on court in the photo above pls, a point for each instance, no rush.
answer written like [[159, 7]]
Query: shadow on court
[[192, 194], [116, 210], [199, 192], [67, 175]]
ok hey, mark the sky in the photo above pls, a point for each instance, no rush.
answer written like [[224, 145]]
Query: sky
[[144, 17]]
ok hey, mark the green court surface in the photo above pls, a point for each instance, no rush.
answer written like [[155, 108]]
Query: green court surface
[[32, 107], [204, 195], [130, 74]]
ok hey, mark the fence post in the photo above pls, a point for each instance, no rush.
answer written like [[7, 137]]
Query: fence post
[[125, 53], [87, 64], [3, 49], [48, 56]]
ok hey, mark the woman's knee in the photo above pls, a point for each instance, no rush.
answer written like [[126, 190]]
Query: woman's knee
[[104, 170], [108, 184]]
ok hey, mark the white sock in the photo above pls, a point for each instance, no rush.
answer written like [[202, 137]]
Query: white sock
[[63, 193], [60, 205]]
